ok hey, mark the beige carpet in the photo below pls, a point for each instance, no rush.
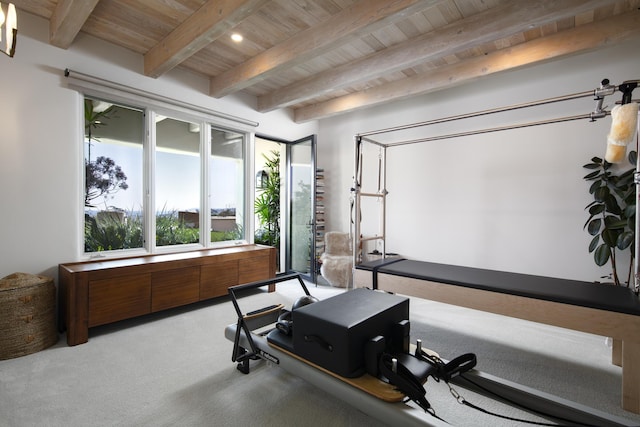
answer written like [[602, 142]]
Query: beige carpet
[[175, 369]]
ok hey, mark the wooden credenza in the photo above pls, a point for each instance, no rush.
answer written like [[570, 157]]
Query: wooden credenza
[[98, 292]]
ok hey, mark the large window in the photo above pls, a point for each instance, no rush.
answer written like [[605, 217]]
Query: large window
[[113, 187], [177, 182], [155, 181], [227, 185]]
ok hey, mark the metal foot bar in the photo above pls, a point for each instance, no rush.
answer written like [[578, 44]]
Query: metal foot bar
[[248, 322]]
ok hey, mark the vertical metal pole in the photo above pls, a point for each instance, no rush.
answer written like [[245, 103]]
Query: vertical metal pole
[[637, 231], [355, 200], [384, 202]]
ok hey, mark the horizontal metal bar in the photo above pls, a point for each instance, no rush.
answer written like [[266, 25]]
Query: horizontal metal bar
[[280, 278], [480, 113], [367, 239], [489, 130]]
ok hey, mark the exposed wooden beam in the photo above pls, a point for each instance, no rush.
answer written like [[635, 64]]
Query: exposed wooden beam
[[67, 19], [316, 40], [492, 24], [577, 40], [208, 23]]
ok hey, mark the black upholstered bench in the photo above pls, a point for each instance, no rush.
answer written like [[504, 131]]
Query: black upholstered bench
[[610, 311]]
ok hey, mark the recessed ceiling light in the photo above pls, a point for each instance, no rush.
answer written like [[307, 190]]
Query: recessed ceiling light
[[236, 37]]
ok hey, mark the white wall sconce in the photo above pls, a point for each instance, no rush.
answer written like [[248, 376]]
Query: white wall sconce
[[8, 29]]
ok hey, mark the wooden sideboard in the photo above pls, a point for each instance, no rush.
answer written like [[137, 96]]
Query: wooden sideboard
[[98, 292]]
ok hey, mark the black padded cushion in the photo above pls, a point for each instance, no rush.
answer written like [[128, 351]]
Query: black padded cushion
[[282, 340], [574, 292]]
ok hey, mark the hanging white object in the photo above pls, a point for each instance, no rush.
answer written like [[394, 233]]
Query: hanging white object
[[1, 20], [8, 29], [624, 119]]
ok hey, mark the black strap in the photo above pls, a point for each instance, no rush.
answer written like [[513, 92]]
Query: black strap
[[459, 365], [455, 367], [404, 380]]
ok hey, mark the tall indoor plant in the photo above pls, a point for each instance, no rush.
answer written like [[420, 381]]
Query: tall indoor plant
[[267, 203], [612, 213]]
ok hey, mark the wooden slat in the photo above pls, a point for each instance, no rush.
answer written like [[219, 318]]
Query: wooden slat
[[498, 23], [317, 40], [310, 55], [211, 21], [68, 18], [581, 39]]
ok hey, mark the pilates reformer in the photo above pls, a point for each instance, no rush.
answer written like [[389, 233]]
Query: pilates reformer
[[372, 137], [386, 399], [493, 300]]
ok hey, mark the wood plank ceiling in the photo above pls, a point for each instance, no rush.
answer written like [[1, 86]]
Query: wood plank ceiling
[[326, 57]]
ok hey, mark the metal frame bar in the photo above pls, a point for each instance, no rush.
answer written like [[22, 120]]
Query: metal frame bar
[[599, 94], [240, 353]]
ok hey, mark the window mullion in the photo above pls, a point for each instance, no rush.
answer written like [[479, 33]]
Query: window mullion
[[149, 185], [205, 196]]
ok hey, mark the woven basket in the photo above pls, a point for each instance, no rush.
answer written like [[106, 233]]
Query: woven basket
[[27, 314]]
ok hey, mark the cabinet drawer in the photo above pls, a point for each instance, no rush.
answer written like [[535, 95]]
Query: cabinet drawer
[[173, 288], [119, 298], [216, 277], [253, 269]]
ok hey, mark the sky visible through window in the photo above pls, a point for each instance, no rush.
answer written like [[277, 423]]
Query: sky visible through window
[[168, 185]]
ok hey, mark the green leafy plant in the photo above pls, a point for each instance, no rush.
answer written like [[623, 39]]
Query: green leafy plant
[[612, 213], [171, 231], [267, 203], [111, 233]]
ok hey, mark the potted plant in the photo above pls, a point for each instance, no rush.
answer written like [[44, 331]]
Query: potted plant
[[267, 203], [612, 214]]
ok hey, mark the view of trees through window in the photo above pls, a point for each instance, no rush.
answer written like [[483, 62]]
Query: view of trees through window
[[115, 167], [113, 203]]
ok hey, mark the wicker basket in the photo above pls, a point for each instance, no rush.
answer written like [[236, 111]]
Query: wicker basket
[[27, 314]]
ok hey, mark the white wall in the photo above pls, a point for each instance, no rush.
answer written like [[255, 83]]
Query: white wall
[[511, 200], [40, 138]]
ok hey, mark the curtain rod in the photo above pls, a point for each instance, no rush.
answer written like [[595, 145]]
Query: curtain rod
[[113, 85]]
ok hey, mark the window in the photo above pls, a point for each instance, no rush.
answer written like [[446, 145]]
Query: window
[[226, 185], [148, 194], [177, 182], [113, 153]]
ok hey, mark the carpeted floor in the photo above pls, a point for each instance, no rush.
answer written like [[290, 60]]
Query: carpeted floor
[[174, 368]]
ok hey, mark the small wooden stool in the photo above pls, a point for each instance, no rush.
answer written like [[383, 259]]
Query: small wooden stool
[[27, 314]]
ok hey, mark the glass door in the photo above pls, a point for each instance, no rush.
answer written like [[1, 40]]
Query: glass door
[[301, 191]]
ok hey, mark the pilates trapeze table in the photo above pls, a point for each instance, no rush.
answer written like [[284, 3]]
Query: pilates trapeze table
[[610, 311], [381, 401]]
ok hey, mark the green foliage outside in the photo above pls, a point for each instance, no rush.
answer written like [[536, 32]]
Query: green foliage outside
[[103, 177], [111, 234], [267, 203], [612, 213]]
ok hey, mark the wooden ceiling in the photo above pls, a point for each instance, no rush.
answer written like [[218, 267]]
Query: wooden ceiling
[[326, 57]]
